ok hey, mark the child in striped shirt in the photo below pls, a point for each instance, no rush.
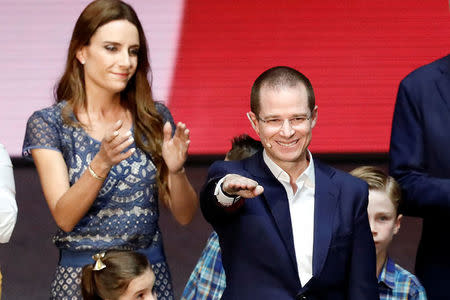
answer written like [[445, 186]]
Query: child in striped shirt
[[394, 282]]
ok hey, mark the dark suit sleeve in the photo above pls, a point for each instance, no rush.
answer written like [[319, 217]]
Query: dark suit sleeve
[[408, 161], [213, 212], [362, 278]]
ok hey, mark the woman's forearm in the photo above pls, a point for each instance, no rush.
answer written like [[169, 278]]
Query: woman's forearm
[[183, 201]]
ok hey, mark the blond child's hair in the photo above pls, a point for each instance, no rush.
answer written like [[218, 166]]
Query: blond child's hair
[[380, 181]]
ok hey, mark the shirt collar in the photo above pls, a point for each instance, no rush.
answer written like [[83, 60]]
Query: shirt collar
[[387, 274], [308, 175]]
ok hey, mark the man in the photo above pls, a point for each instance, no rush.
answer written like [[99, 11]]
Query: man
[[289, 227], [420, 161]]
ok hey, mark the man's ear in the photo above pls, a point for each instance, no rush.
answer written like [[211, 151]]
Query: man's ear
[[314, 116], [253, 121], [397, 223], [81, 55]]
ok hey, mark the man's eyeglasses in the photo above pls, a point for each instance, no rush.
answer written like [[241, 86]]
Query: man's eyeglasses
[[276, 123]]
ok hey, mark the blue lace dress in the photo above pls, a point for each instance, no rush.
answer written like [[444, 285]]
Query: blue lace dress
[[124, 215]]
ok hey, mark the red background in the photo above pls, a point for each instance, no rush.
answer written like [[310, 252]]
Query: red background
[[354, 52]]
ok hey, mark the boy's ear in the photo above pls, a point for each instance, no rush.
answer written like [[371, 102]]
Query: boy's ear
[[397, 223]]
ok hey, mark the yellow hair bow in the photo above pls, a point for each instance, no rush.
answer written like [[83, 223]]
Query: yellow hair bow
[[99, 265]]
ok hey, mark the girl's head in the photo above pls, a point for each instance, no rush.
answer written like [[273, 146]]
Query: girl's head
[[122, 275]]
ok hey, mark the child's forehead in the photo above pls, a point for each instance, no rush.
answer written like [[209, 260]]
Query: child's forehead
[[379, 201]]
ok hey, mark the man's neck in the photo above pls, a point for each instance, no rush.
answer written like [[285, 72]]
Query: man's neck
[[292, 169]]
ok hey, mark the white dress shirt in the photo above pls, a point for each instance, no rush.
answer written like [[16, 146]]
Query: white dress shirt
[[301, 208], [8, 205]]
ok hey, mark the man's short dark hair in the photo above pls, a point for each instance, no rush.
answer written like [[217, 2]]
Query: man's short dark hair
[[280, 77]]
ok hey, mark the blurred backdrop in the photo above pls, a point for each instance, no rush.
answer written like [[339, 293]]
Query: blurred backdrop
[[205, 56]]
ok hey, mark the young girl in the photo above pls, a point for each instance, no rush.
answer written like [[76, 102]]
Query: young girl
[[118, 275]]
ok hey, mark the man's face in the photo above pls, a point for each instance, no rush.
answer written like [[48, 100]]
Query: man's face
[[285, 123], [383, 220]]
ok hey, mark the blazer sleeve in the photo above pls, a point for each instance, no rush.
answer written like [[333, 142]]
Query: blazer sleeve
[[422, 192], [362, 279], [213, 212]]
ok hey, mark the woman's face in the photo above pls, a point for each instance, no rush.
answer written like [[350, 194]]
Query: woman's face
[[140, 287], [111, 57]]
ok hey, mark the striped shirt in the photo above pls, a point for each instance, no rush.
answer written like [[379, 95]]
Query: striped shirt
[[207, 281], [394, 282]]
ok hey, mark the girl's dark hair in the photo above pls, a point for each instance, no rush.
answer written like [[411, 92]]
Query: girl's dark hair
[[113, 280], [137, 96]]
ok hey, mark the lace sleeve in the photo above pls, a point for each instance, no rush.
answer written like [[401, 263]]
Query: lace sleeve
[[41, 132], [165, 114]]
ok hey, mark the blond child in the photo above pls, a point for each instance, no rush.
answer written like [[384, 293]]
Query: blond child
[[394, 282]]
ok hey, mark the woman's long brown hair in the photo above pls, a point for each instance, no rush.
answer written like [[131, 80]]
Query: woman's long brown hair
[[137, 96]]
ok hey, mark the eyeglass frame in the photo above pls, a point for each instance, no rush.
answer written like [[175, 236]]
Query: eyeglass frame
[[266, 121]]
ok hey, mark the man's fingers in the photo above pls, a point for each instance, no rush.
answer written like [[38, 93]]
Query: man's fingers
[[233, 187], [258, 190], [251, 193]]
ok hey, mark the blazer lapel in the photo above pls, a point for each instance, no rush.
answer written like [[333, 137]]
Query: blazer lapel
[[326, 196], [276, 199], [443, 82]]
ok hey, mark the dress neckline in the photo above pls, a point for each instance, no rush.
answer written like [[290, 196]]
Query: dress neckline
[[74, 117]]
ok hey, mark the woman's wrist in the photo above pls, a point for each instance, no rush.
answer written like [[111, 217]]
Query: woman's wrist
[[95, 175], [99, 168], [178, 172]]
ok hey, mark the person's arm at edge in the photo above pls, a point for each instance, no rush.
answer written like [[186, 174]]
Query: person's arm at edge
[[407, 160], [8, 204]]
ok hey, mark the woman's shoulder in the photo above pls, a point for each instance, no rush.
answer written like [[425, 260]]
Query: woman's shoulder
[[164, 111], [51, 113], [44, 129], [161, 108]]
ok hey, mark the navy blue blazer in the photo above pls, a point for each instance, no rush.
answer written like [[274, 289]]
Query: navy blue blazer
[[420, 161], [257, 246]]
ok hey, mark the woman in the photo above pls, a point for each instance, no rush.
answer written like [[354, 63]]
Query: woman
[[104, 153], [118, 275]]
